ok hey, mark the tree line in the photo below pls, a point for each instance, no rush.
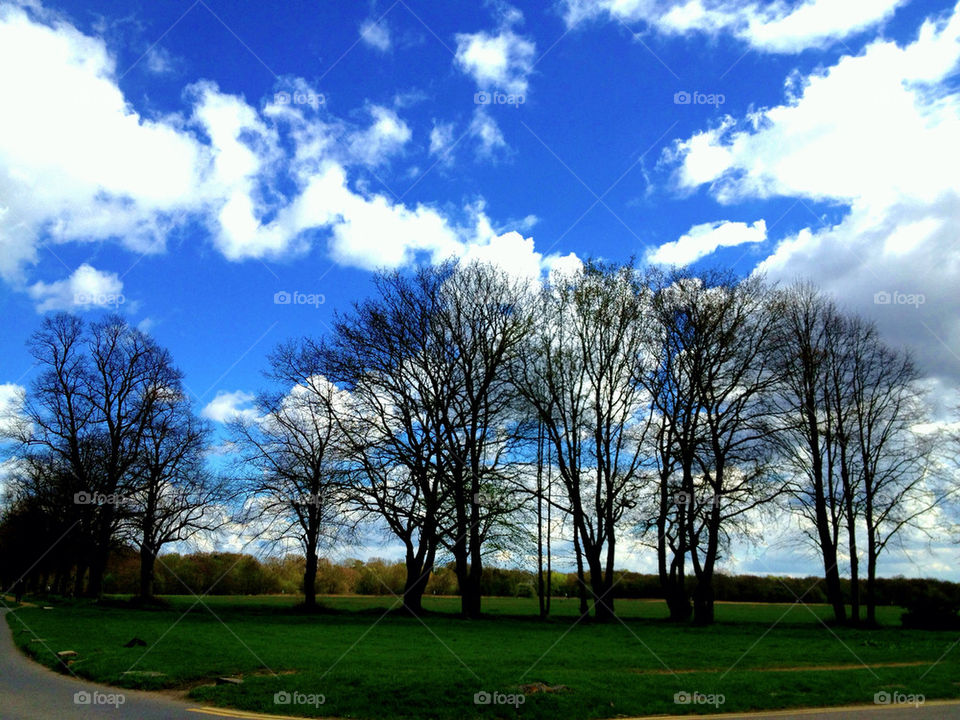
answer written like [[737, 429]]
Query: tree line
[[462, 412]]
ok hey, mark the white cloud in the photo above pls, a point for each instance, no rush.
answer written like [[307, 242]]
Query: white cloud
[[875, 133], [159, 61], [75, 158], [701, 240], [516, 255], [496, 62], [778, 27], [85, 288], [11, 402], [442, 141], [227, 406], [487, 133], [386, 135], [376, 34], [78, 163]]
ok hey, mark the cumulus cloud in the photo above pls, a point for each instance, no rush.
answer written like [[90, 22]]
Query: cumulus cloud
[[376, 34], [78, 163], [874, 133], [701, 240], [227, 406], [85, 288], [496, 62], [11, 402], [778, 27], [75, 158]]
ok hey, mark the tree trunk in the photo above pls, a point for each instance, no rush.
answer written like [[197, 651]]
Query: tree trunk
[[540, 589], [581, 580], [310, 579], [147, 560], [78, 580], [475, 571], [703, 610], [872, 552], [828, 549], [418, 575], [854, 574]]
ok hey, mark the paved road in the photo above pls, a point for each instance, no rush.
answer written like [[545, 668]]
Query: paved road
[[29, 691]]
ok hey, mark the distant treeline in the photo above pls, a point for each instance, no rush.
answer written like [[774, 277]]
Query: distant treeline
[[241, 574]]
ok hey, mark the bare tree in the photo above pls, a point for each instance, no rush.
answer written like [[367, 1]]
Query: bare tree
[[893, 458], [578, 373], [480, 327], [94, 397], [723, 334], [812, 360], [385, 355], [172, 496], [295, 448]]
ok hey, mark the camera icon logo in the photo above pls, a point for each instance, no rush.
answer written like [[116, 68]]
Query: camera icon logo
[[681, 98], [481, 98], [82, 498], [82, 698], [281, 298], [482, 698], [882, 698], [281, 98], [881, 298], [282, 698], [682, 698]]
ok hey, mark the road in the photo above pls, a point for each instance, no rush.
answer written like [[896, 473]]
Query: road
[[30, 691]]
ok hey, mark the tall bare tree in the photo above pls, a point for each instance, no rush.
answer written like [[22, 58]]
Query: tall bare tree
[[893, 458], [812, 359], [173, 496], [385, 355], [723, 335], [297, 491], [579, 373], [95, 394], [480, 325]]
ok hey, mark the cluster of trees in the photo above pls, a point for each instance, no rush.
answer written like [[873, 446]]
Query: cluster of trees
[[108, 450], [464, 412], [667, 405]]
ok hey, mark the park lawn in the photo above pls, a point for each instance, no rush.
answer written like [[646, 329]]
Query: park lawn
[[370, 664]]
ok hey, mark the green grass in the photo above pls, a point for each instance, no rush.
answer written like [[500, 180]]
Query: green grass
[[370, 665]]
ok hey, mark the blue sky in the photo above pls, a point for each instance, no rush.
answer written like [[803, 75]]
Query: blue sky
[[184, 162]]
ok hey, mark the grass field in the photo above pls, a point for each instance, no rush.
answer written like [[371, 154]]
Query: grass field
[[366, 663]]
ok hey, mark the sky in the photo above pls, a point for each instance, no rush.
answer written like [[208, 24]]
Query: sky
[[227, 175]]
